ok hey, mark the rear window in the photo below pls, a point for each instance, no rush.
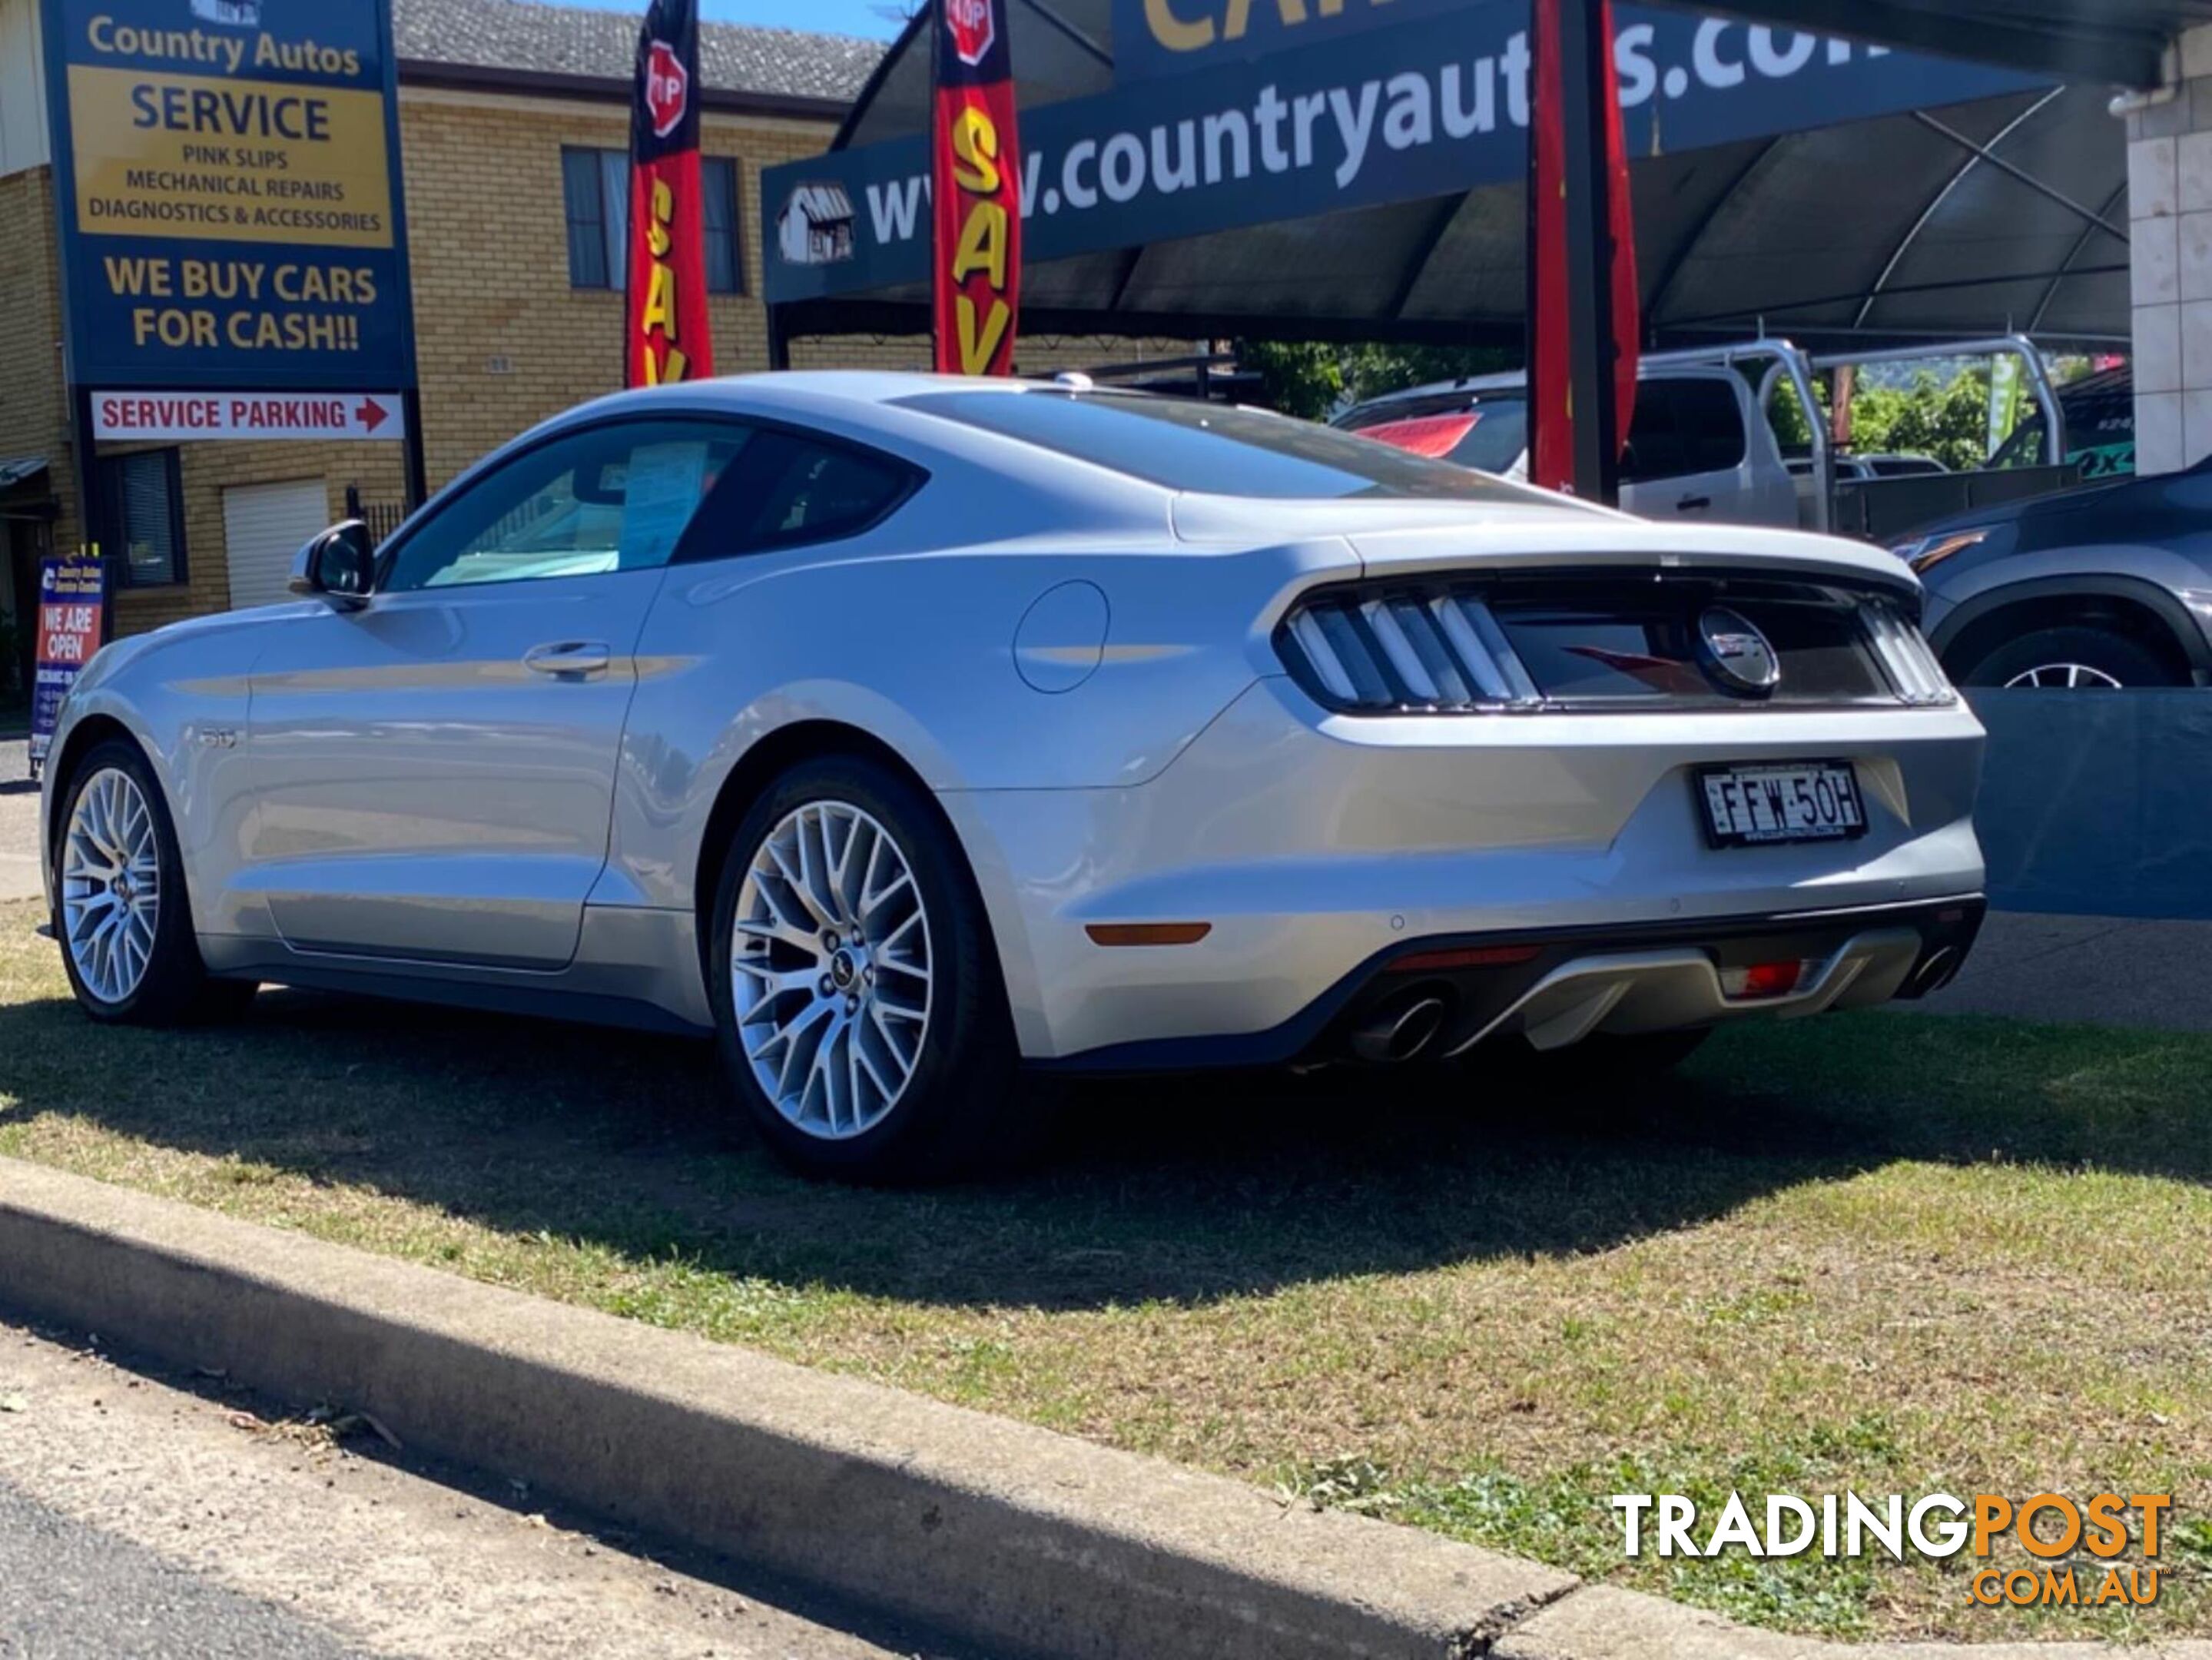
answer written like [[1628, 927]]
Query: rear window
[[1682, 426], [1489, 431], [1212, 448]]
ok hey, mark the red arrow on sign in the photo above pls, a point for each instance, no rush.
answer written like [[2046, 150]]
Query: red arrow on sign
[[371, 414]]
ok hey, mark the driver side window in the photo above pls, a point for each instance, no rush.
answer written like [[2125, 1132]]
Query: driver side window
[[609, 498]]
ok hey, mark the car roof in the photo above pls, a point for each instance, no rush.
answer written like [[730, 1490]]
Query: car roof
[[850, 385]]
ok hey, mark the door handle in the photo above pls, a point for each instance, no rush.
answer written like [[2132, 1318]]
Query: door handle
[[565, 658], [1693, 504]]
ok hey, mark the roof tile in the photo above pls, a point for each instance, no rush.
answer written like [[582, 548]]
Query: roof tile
[[515, 34]]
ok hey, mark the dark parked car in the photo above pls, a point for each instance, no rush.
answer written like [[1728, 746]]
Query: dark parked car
[[2100, 427], [2107, 585]]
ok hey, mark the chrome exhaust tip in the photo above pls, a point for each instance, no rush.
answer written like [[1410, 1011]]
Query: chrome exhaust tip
[[1398, 1032], [1938, 972]]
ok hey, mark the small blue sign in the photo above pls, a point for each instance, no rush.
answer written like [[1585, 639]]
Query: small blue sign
[[72, 626]]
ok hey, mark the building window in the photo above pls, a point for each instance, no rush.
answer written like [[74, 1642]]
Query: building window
[[146, 515], [595, 188]]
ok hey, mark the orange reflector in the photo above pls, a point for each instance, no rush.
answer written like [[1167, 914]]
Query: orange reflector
[[1471, 957], [1147, 933]]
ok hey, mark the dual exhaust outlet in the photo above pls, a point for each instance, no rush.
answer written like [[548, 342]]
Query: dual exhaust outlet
[[1408, 1025], [1400, 1029]]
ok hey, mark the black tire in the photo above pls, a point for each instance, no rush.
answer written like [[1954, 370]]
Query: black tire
[[175, 987], [959, 1110], [2127, 660]]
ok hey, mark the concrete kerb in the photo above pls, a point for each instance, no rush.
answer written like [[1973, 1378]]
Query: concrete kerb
[[996, 1532], [1603, 1622]]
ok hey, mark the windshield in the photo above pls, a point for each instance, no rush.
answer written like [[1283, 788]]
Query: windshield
[[1212, 448], [1489, 432]]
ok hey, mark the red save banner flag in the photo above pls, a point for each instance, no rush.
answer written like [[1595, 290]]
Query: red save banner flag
[[664, 324], [1551, 449], [976, 209]]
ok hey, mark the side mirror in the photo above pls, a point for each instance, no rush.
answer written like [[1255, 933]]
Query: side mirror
[[339, 566]]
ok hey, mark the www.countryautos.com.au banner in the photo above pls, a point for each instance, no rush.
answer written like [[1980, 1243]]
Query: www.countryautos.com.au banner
[[1422, 108], [228, 193]]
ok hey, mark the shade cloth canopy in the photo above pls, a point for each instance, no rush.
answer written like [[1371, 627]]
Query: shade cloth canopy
[[1997, 213]]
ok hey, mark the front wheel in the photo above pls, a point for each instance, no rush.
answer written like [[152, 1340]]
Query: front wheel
[[857, 995], [121, 914], [2076, 658]]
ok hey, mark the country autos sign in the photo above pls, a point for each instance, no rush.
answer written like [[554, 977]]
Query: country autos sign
[[1422, 108], [172, 415], [229, 194]]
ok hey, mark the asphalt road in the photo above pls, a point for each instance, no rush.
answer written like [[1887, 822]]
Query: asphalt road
[[145, 1519], [70, 1592]]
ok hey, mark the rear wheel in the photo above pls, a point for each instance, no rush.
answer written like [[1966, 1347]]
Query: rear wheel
[[857, 995], [121, 914], [2076, 658]]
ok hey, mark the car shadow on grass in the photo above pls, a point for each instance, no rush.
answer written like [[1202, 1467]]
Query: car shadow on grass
[[1183, 1189]]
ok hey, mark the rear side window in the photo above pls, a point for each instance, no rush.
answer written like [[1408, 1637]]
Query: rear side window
[[1212, 447], [1683, 426], [786, 488]]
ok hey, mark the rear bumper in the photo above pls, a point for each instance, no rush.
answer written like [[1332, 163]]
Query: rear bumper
[[1573, 983], [1314, 846]]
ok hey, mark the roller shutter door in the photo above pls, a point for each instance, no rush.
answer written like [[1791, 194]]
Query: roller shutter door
[[263, 526]]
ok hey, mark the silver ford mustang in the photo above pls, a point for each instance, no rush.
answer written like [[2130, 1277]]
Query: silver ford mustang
[[899, 731]]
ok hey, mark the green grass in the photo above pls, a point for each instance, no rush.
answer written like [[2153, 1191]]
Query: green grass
[[1879, 1251]]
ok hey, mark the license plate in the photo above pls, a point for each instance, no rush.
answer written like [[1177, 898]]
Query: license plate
[[1795, 801]]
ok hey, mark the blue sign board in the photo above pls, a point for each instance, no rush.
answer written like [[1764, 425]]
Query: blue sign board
[[72, 624], [1361, 117], [228, 191]]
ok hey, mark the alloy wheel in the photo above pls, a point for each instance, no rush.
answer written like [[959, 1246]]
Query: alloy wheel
[[829, 969], [111, 884], [2066, 676]]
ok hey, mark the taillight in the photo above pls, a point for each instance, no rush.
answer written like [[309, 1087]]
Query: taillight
[[1403, 651], [1906, 656]]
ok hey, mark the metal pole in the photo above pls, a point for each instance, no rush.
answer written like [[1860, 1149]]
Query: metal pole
[[91, 514], [1583, 50], [778, 344], [418, 476]]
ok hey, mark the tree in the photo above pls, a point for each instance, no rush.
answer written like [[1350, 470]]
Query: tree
[[1297, 377], [1948, 420], [1310, 379]]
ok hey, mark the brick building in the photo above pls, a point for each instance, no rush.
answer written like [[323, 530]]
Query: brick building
[[513, 120]]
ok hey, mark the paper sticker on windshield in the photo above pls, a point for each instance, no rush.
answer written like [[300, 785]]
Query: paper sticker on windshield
[[1436, 435]]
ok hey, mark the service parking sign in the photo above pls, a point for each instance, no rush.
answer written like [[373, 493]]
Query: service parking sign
[[227, 195], [170, 416]]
